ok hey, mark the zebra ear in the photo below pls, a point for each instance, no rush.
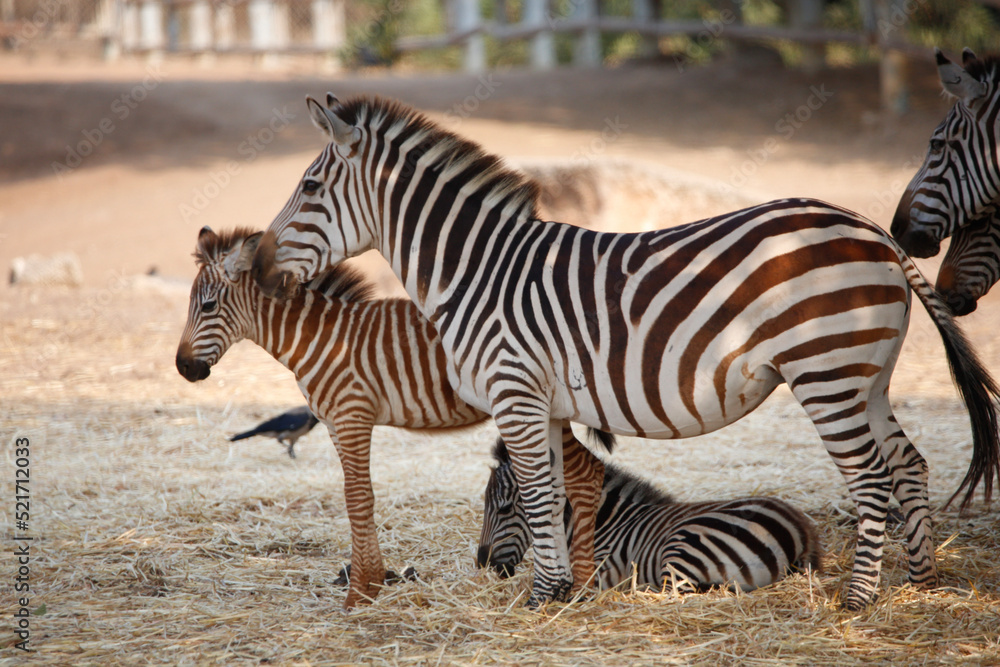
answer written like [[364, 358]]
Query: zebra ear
[[956, 81], [240, 258], [333, 126]]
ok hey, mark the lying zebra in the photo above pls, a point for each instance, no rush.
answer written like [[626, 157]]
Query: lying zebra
[[746, 543], [359, 363]]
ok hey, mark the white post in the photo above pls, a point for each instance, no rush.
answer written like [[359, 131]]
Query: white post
[[201, 26], [151, 23], [108, 21], [259, 12], [808, 14], [587, 50], [543, 48], [328, 19], [467, 17], [642, 12], [130, 27], [225, 27]]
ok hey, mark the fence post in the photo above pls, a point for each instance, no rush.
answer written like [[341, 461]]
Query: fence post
[[151, 26], [259, 12], [328, 20], [587, 50], [543, 48], [225, 27], [201, 26], [642, 12], [468, 17], [130, 26], [808, 14], [892, 64]]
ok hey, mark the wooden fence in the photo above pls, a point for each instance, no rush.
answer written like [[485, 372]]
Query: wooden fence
[[885, 19]]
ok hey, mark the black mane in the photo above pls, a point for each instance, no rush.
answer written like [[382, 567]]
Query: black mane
[[497, 179]]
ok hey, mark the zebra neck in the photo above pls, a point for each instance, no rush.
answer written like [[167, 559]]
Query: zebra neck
[[284, 328]]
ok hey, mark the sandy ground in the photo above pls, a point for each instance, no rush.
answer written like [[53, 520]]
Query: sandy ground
[[125, 453]]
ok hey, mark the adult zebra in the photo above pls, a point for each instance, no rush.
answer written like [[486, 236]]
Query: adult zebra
[[359, 363], [971, 266], [959, 181], [745, 542], [663, 334]]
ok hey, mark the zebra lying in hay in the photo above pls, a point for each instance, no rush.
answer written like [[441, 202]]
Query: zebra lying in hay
[[744, 543], [358, 363]]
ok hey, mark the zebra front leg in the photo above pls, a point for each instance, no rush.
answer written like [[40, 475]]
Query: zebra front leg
[[352, 435], [531, 440], [584, 477]]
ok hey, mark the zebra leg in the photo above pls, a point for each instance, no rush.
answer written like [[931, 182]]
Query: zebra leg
[[584, 477], [353, 436], [909, 487], [836, 404], [531, 439]]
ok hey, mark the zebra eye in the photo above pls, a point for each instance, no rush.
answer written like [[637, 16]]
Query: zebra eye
[[309, 186], [937, 145], [209, 306]]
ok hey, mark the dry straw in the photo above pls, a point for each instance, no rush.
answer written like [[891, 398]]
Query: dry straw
[[160, 542]]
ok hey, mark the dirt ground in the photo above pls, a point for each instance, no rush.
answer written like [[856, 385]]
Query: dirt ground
[[157, 541]]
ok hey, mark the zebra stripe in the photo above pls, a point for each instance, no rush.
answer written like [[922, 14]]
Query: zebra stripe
[[358, 363], [971, 266], [744, 543], [663, 334], [959, 181]]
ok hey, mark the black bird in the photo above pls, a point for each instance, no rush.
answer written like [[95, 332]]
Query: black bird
[[287, 428]]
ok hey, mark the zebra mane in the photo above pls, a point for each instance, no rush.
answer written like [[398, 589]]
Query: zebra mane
[[341, 282], [398, 122], [344, 283], [213, 246], [616, 481]]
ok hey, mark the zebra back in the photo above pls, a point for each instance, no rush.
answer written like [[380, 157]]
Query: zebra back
[[746, 542]]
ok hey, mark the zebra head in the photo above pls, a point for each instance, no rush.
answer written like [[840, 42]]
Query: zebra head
[[959, 181], [217, 314], [506, 535], [971, 266], [326, 219]]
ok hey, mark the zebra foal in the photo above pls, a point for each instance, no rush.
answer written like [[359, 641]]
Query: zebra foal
[[358, 363], [665, 334], [745, 543]]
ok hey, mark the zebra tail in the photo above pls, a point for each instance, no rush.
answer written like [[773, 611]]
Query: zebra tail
[[975, 384], [601, 438]]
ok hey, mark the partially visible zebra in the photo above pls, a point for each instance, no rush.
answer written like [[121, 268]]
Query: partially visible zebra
[[959, 181], [746, 543], [664, 334], [358, 363], [971, 266]]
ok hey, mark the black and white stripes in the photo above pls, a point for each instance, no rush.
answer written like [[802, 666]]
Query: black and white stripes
[[663, 334]]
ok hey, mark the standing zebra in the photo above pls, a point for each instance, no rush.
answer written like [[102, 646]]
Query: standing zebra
[[358, 363], [747, 542], [971, 266], [959, 181], [664, 334]]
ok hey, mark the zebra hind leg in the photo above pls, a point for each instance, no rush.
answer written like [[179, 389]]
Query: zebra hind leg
[[909, 487], [836, 404]]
